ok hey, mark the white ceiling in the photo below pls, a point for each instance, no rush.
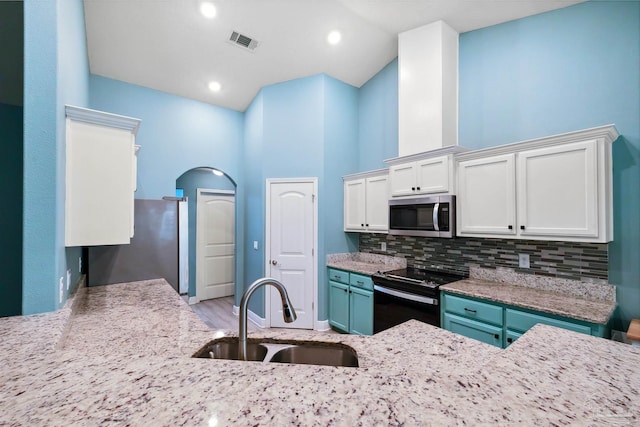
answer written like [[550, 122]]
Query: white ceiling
[[169, 46]]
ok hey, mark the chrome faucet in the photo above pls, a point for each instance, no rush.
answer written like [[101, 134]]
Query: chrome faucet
[[288, 312]]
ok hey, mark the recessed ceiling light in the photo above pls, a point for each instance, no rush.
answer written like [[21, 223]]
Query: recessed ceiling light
[[334, 37], [214, 86], [208, 9]]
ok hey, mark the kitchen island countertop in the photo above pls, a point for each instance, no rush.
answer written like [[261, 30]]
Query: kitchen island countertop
[[120, 354]]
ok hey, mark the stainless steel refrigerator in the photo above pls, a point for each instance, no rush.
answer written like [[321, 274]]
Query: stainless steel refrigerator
[[158, 249]]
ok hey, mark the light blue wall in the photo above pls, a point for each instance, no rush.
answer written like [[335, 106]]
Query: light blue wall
[[254, 197], [294, 129], [340, 158], [378, 119], [11, 210], [55, 73], [190, 181], [560, 71], [176, 134]]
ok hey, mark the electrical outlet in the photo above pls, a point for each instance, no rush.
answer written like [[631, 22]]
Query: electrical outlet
[[383, 246], [523, 260], [68, 278], [61, 286]]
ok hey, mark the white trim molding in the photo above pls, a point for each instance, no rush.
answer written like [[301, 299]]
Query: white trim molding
[[96, 117]]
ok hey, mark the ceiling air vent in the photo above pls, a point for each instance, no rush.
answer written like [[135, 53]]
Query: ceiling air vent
[[243, 41]]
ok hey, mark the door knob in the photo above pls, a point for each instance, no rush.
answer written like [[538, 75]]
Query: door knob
[[274, 262]]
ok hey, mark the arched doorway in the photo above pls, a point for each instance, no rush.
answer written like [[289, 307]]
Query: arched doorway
[[212, 181]]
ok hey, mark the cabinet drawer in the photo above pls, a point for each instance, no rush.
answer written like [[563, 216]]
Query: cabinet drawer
[[361, 281], [473, 329], [521, 321], [473, 309], [339, 276]]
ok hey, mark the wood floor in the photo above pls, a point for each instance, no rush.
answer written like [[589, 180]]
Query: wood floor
[[217, 313]]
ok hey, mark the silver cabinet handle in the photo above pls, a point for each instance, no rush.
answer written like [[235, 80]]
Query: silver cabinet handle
[[274, 262]]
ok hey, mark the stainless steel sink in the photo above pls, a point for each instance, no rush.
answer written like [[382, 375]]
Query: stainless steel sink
[[280, 351], [317, 355], [228, 349]]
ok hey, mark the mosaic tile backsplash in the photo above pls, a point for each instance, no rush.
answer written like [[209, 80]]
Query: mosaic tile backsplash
[[567, 260]]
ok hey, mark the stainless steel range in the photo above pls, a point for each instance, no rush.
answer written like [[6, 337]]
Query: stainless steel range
[[409, 293]]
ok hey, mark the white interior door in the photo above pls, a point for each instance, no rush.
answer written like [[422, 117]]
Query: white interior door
[[215, 246], [291, 242]]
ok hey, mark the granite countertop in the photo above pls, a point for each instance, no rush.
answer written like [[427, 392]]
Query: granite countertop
[[120, 355], [365, 263], [571, 306]]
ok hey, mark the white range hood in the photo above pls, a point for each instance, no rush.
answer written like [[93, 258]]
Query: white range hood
[[428, 89]]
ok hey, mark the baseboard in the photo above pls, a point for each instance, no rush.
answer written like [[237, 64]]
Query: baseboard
[[252, 317], [322, 325], [193, 300]]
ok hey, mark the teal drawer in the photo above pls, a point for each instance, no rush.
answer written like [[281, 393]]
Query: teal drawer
[[522, 321], [472, 329], [361, 281], [511, 337], [339, 276], [473, 309]]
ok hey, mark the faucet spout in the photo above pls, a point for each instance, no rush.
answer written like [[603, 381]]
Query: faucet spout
[[288, 312]]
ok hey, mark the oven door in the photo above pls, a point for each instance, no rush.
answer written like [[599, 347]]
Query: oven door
[[392, 307]]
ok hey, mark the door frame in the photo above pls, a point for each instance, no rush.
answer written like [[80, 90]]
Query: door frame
[[199, 192], [267, 243]]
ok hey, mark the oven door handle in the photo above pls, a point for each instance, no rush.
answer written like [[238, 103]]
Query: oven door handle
[[404, 295]]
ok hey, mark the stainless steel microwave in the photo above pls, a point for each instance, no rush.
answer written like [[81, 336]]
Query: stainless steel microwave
[[425, 216]]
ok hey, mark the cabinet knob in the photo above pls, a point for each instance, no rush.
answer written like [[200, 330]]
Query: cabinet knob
[[510, 227], [350, 292], [345, 291], [418, 188], [361, 225], [367, 225], [496, 336], [413, 188], [522, 227], [509, 340]]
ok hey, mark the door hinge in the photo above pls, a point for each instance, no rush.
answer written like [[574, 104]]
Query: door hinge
[[312, 252], [313, 198]]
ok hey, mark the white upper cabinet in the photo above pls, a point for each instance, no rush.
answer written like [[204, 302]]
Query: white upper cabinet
[[366, 202], [425, 176], [487, 196], [100, 177], [555, 188], [559, 195]]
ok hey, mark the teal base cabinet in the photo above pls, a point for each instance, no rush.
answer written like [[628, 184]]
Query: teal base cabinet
[[350, 302], [502, 324]]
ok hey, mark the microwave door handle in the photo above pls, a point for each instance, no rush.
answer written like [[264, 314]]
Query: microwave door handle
[[436, 226]]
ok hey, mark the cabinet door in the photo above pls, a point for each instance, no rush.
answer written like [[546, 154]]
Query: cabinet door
[[354, 205], [339, 305], [557, 191], [522, 321], [360, 311], [487, 196], [402, 179], [377, 203], [473, 329], [432, 175], [99, 185]]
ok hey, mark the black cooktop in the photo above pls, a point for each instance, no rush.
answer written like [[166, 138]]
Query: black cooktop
[[438, 277]]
